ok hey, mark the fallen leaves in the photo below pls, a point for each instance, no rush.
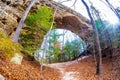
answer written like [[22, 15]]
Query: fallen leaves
[[28, 70], [85, 69]]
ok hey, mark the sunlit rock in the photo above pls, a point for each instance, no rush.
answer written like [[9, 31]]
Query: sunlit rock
[[17, 59], [2, 77], [60, 45]]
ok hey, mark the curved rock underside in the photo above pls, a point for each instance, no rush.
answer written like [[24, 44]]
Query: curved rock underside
[[12, 10]]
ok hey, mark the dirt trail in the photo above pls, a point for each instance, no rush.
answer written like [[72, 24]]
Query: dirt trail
[[66, 75], [85, 68]]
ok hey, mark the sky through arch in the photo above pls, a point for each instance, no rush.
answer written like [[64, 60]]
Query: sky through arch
[[100, 5]]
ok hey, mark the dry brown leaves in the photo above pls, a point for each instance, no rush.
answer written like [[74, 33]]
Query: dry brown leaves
[[28, 70]]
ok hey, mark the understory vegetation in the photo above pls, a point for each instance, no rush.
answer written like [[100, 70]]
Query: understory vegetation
[[37, 25], [59, 47], [8, 47], [109, 34]]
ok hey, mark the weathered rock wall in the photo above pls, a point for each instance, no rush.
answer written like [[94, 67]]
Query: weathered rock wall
[[11, 12]]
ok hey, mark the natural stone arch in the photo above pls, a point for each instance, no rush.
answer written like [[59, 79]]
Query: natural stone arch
[[65, 15], [72, 23]]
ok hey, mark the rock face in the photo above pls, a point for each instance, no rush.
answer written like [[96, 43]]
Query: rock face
[[11, 12], [8, 17]]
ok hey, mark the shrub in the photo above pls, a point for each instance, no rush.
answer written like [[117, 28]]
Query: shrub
[[118, 44], [38, 23], [7, 46], [41, 19]]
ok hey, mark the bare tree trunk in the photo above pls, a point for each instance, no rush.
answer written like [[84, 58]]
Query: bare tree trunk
[[17, 32], [99, 58]]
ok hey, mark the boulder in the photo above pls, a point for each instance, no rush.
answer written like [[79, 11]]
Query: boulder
[[2, 77], [17, 59]]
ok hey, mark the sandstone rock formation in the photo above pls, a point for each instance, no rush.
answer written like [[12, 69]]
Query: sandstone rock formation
[[12, 10]]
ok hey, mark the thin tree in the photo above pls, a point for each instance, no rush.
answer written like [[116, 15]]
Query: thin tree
[[99, 57], [106, 33], [17, 32], [111, 7]]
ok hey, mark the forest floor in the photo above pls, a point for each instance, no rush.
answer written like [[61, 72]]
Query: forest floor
[[85, 69], [73, 70], [28, 70]]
